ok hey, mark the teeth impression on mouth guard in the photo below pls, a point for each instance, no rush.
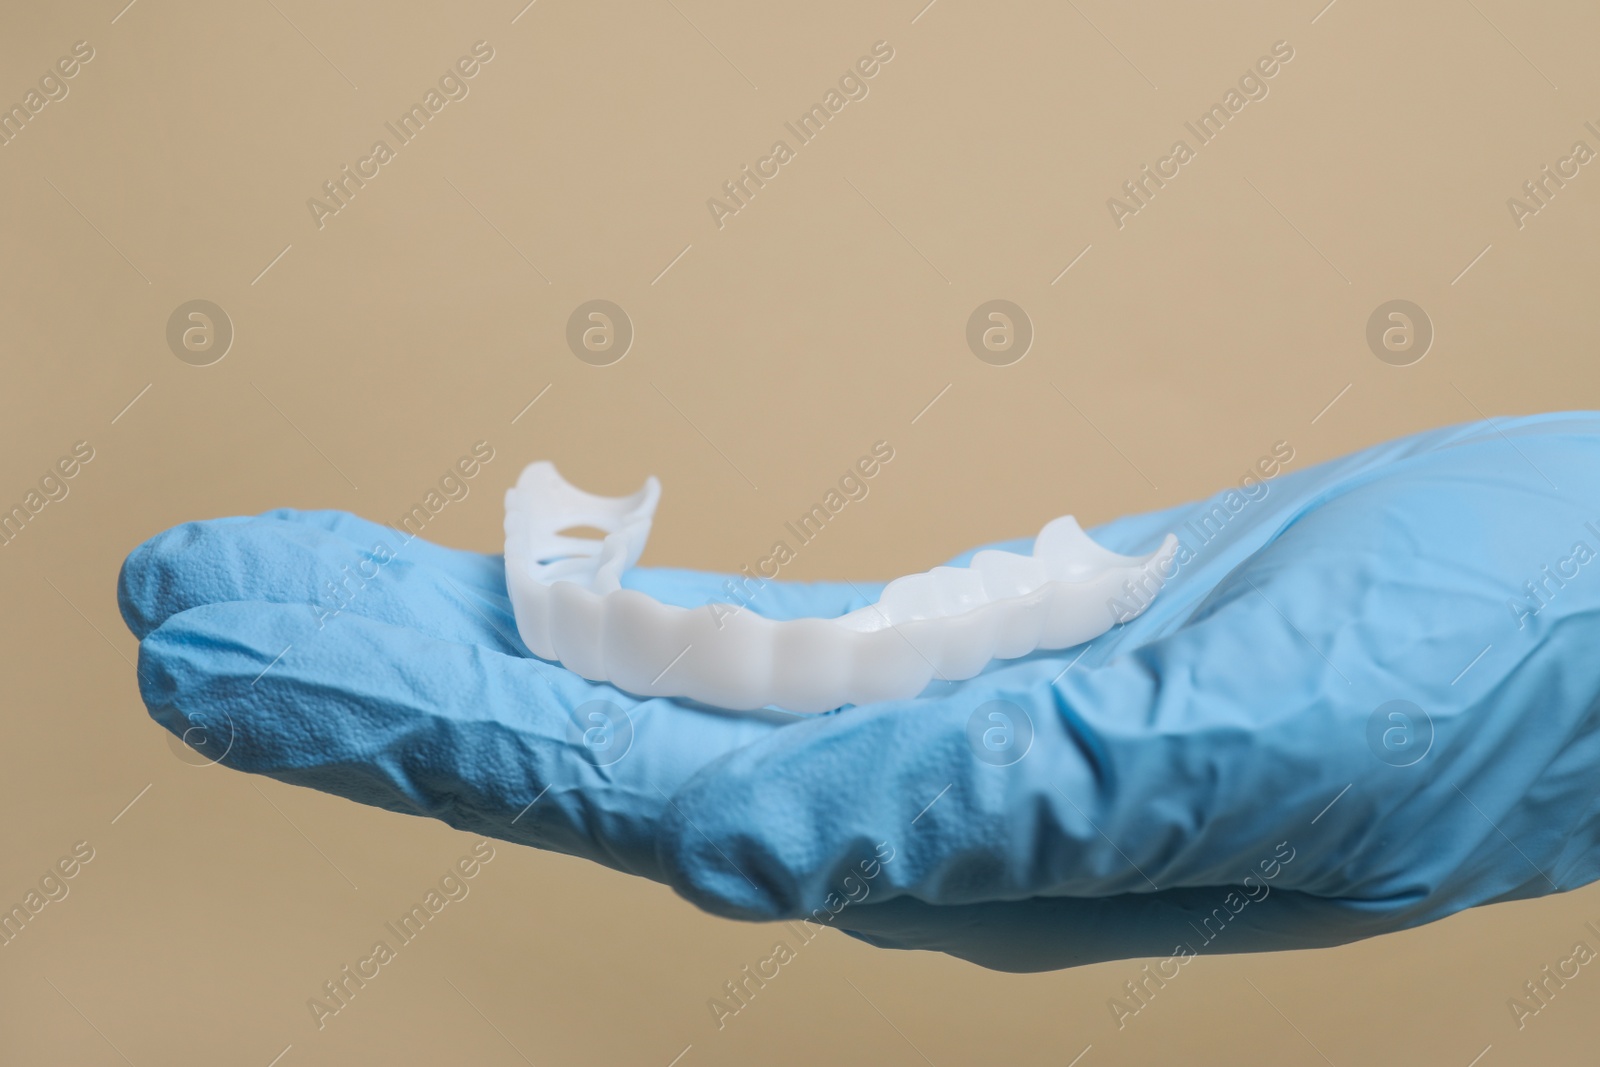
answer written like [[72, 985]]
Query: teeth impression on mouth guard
[[947, 623]]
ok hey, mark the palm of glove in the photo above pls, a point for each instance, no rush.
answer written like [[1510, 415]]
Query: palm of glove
[[1332, 722]]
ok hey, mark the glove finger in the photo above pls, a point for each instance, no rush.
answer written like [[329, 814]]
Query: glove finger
[[332, 563], [671, 585], [323, 574], [476, 570], [384, 715]]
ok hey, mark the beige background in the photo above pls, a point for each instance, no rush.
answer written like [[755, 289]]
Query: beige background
[[426, 315]]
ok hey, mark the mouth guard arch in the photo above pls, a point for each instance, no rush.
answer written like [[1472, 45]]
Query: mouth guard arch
[[946, 623]]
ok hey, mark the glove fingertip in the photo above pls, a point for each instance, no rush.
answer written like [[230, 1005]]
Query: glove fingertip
[[145, 580]]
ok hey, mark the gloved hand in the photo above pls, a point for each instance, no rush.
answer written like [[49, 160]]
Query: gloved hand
[[1228, 772]]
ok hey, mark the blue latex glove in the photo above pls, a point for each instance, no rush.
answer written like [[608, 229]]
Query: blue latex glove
[[1225, 773]]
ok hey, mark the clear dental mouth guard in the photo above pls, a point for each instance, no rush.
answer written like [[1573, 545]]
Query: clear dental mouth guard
[[946, 623]]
